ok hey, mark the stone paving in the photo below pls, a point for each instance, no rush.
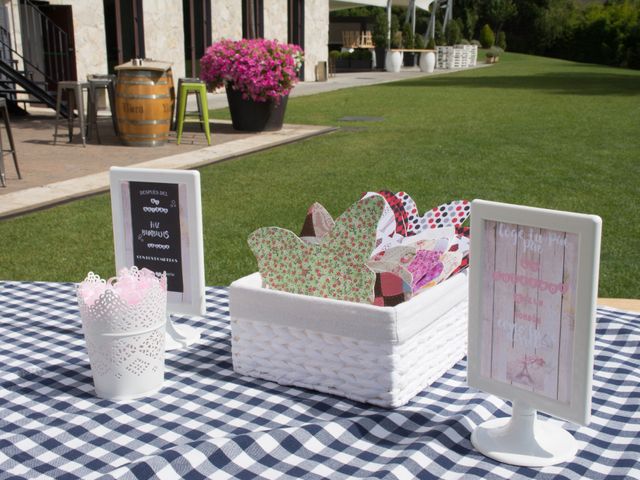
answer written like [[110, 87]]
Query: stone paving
[[58, 173]]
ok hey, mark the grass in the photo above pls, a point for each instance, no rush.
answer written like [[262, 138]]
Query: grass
[[529, 130]]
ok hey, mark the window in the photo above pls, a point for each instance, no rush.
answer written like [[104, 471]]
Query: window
[[124, 31]]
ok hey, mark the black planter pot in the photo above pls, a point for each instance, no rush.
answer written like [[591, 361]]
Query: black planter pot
[[360, 64], [381, 53], [343, 63], [409, 59], [250, 116]]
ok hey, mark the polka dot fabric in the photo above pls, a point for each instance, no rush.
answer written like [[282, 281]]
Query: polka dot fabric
[[452, 213]]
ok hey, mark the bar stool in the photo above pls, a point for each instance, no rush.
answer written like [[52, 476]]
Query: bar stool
[[73, 89], [4, 111], [104, 82], [197, 86]]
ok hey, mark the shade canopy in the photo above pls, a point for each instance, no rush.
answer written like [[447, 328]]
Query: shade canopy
[[343, 4]]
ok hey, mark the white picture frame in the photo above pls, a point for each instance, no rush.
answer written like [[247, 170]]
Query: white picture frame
[[545, 303], [190, 297]]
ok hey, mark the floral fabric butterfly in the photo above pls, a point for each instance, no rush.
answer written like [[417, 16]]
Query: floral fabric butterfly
[[334, 268]]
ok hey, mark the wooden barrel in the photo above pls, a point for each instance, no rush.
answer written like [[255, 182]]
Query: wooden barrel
[[144, 106]]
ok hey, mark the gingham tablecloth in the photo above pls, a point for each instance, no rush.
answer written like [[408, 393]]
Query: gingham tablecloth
[[208, 422]]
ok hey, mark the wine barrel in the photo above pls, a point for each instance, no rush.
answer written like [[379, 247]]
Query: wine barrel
[[144, 104]]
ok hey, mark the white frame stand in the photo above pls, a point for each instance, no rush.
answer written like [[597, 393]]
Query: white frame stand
[[524, 440], [192, 301], [179, 337]]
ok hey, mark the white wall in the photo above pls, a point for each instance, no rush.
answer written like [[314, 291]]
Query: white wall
[[316, 35], [275, 20], [90, 36], [226, 19], [164, 33]]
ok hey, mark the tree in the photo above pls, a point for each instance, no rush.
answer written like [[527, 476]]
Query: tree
[[380, 30], [396, 34], [487, 38], [553, 24], [470, 19], [453, 32], [499, 11], [439, 34]]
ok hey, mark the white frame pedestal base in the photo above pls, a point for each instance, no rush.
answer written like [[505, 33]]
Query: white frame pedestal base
[[524, 440], [180, 337]]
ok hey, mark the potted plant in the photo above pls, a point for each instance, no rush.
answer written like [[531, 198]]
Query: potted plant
[[408, 40], [427, 59], [335, 61], [493, 54], [360, 59], [341, 60], [393, 61], [258, 75], [379, 37]]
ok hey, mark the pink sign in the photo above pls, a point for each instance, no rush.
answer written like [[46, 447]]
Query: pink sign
[[529, 308]]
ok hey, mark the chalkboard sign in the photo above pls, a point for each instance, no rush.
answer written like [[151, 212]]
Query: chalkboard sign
[[157, 224], [533, 291]]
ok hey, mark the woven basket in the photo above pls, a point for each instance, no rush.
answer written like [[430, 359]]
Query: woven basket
[[379, 355]]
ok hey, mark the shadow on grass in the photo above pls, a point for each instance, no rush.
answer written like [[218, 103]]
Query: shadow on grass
[[565, 83]]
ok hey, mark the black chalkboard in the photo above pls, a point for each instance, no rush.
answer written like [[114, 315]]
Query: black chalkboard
[[155, 221]]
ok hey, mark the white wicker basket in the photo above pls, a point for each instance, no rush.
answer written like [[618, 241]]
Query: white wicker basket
[[379, 355]]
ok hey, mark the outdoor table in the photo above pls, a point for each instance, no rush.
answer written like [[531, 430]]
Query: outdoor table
[[208, 422]]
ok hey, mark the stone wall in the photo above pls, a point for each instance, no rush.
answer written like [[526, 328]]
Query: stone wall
[[316, 36], [226, 19], [164, 33], [90, 36], [275, 20]]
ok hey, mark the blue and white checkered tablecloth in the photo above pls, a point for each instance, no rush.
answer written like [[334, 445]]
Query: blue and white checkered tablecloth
[[208, 422]]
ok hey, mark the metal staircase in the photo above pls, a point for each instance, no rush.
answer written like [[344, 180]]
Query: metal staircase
[[41, 70]]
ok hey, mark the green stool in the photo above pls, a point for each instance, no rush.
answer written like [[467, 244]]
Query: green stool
[[200, 89]]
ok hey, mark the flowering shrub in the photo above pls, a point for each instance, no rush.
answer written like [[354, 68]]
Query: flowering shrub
[[260, 69]]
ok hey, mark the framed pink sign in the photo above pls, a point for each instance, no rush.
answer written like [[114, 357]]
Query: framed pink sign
[[533, 292]]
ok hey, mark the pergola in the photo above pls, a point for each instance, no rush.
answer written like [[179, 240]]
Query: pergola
[[343, 4], [413, 4]]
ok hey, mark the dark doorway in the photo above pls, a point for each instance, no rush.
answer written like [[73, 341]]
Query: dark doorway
[[48, 42], [295, 15], [62, 17], [196, 15], [124, 31], [252, 19]]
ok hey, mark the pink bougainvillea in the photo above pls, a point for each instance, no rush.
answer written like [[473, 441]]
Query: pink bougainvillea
[[260, 69]]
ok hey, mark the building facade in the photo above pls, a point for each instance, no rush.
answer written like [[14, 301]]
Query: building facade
[[70, 39]]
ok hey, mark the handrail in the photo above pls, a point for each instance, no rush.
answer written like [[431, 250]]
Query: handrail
[[35, 23], [28, 67]]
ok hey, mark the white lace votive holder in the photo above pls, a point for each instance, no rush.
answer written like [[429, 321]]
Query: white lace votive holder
[[125, 342]]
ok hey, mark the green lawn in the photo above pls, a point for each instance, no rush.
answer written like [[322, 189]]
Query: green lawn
[[529, 130]]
